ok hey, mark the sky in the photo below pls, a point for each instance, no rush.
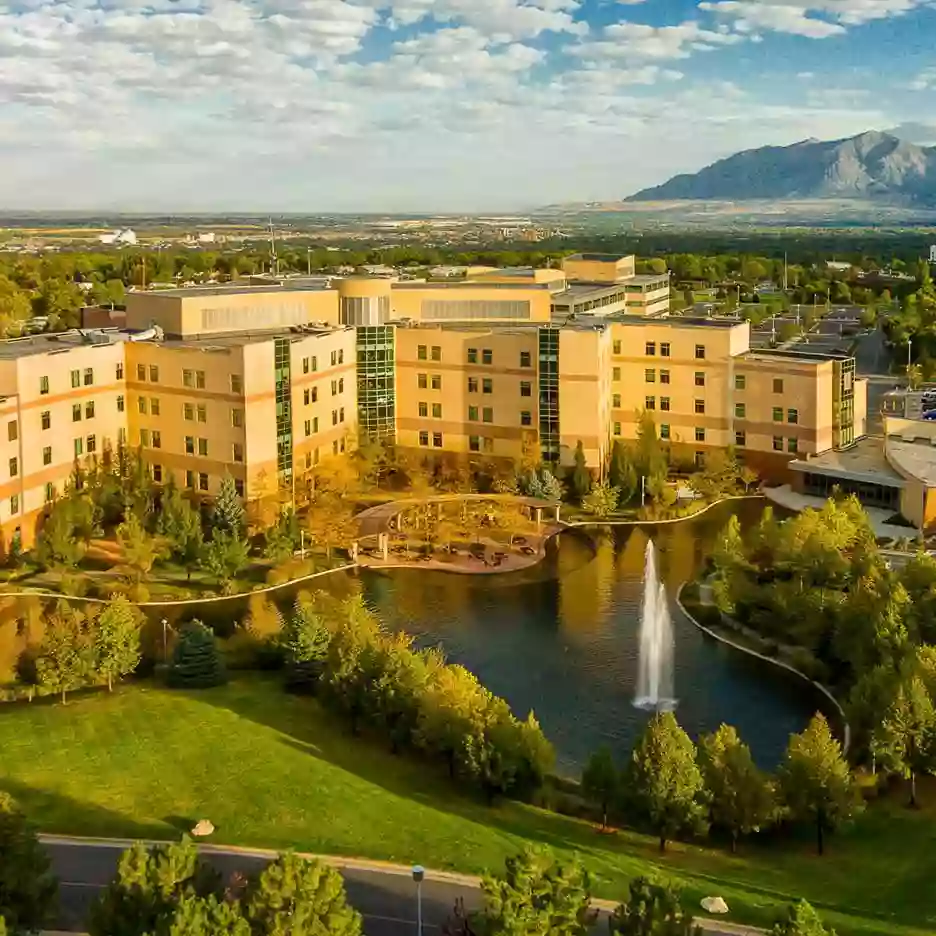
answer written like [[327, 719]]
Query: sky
[[431, 105]]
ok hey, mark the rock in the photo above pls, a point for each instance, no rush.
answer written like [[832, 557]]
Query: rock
[[714, 905], [202, 828]]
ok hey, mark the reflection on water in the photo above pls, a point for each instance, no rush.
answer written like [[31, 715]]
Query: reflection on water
[[562, 640]]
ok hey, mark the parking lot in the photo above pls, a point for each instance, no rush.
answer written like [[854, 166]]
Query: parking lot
[[835, 332]]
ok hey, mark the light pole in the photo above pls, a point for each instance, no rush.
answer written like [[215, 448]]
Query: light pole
[[165, 624], [419, 872]]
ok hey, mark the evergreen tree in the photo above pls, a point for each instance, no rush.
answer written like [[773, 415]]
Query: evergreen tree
[[116, 640], [28, 888], [741, 800], [601, 781], [228, 510], [224, 556], [651, 910], [305, 641], [621, 473], [196, 661], [801, 920], [664, 784], [281, 539], [817, 785], [581, 479], [181, 524], [601, 501]]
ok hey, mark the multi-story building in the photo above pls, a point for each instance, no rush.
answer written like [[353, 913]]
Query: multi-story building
[[264, 381]]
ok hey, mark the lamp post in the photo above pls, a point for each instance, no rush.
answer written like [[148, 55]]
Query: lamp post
[[419, 872], [165, 624]]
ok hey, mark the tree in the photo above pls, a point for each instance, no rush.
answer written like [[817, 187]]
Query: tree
[[581, 480], [228, 510], [536, 894], [601, 501], [141, 551], [59, 543], [305, 641], [280, 540], [741, 800], [301, 897], [621, 472], [801, 920], [905, 741], [64, 661], [28, 888], [816, 782], [196, 662], [663, 782], [116, 640], [601, 781], [649, 458], [181, 524], [651, 910], [224, 556]]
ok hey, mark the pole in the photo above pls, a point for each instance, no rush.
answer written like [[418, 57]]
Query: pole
[[309, 258], [419, 908], [165, 642]]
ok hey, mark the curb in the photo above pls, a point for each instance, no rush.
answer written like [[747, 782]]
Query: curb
[[692, 516]]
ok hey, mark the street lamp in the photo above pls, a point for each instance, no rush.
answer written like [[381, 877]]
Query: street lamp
[[165, 624], [419, 872]]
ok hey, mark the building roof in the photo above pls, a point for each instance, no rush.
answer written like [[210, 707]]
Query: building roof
[[863, 461], [917, 459], [598, 257], [196, 292], [765, 354]]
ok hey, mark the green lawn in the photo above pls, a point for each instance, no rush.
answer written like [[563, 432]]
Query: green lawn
[[272, 770]]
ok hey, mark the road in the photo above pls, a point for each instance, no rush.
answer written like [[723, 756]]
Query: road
[[872, 360], [385, 897]]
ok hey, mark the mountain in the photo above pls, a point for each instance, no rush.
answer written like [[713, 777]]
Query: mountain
[[872, 165]]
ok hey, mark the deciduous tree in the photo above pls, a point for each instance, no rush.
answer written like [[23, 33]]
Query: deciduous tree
[[801, 919], [181, 524], [116, 640], [651, 910], [601, 781], [65, 660], [224, 556], [601, 501]]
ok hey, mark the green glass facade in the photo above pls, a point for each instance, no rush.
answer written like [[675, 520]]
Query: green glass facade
[[376, 382]]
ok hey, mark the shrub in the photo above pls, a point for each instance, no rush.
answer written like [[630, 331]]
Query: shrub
[[196, 662]]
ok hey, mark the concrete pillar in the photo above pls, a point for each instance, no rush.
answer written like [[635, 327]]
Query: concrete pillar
[[557, 513], [539, 517]]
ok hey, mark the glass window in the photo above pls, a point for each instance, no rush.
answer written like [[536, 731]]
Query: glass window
[[487, 356], [526, 388], [46, 418], [14, 467], [423, 438], [308, 427], [334, 388], [203, 447], [315, 425], [190, 479], [141, 404], [792, 416], [154, 406], [92, 444], [188, 411], [778, 414], [436, 353], [120, 404], [120, 370], [202, 412], [437, 440], [306, 396], [305, 365], [422, 355], [526, 418], [88, 376], [237, 418], [474, 444], [700, 352], [472, 414], [237, 385], [76, 412], [157, 474], [739, 410], [664, 376], [664, 349], [79, 446], [616, 400], [487, 414], [792, 446], [89, 409], [76, 378], [144, 437], [778, 443], [47, 455], [422, 381], [740, 439], [699, 434], [777, 385], [188, 378], [739, 381], [157, 439], [617, 428], [239, 484], [700, 407], [699, 379], [334, 358], [651, 349], [649, 402], [202, 481], [525, 359], [12, 430], [334, 417], [423, 410], [50, 491], [487, 385], [200, 379], [472, 355], [190, 445], [436, 410], [341, 419], [314, 364], [616, 347], [237, 450], [315, 394], [664, 431], [615, 373], [44, 384], [14, 503], [650, 375], [141, 372], [436, 381], [665, 403], [472, 384], [154, 373]]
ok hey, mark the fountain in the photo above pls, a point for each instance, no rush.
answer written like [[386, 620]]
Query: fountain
[[655, 674]]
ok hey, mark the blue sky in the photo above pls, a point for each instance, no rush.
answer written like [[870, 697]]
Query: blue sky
[[431, 105]]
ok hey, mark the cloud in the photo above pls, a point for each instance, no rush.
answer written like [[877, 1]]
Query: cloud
[[635, 41], [924, 81]]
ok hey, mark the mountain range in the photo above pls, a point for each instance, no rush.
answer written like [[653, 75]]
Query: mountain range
[[872, 166]]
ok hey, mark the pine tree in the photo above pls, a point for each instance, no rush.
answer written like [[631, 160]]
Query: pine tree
[[664, 784], [228, 511], [581, 480], [27, 886], [651, 910], [181, 524], [116, 640], [621, 473], [196, 661], [801, 920], [601, 781], [305, 641]]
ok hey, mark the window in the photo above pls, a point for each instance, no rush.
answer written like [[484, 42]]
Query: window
[[89, 409], [487, 385], [421, 354], [341, 419], [615, 373], [423, 438], [154, 373], [305, 365], [472, 414], [778, 443], [525, 359], [436, 353], [649, 402], [778, 414], [154, 406], [487, 356], [201, 411], [203, 448], [92, 444], [487, 445], [739, 410], [699, 434], [792, 416], [200, 379], [437, 440], [237, 418], [334, 358], [791, 446], [423, 410], [141, 372], [121, 436], [615, 400], [144, 437], [422, 381], [12, 430], [650, 349], [308, 427], [341, 384], [120, 404], [188, 411], [436, 381], [76, 378], [315, 425], [237, 450], [665, 404], [44, 384], [700, 352], [474, 444], [472, 355], [190, 445], [650, 375], [188, 378], [14, 503], [237, 385], [487, 414], [315, 394], [334, 388], [617, 428], [334, 417], [49, 492], [739, 381], [616, 347], [436, 410], [89, 376], [664, 431], [699, 459], [239, 484], [777, 385], [76, 412], [47, 455], [526, 388], [314, 367], [190, 479], [699, 378], [157, 474], [664, 349], [141, 404], [306, 396], [472, 384], [202, 481], [157, 439], [740, 440], [664, 376], [14, 467], [46, 418], [526, 418], [700, 407]]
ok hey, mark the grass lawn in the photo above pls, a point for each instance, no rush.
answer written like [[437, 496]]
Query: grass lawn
[[272, 770]]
